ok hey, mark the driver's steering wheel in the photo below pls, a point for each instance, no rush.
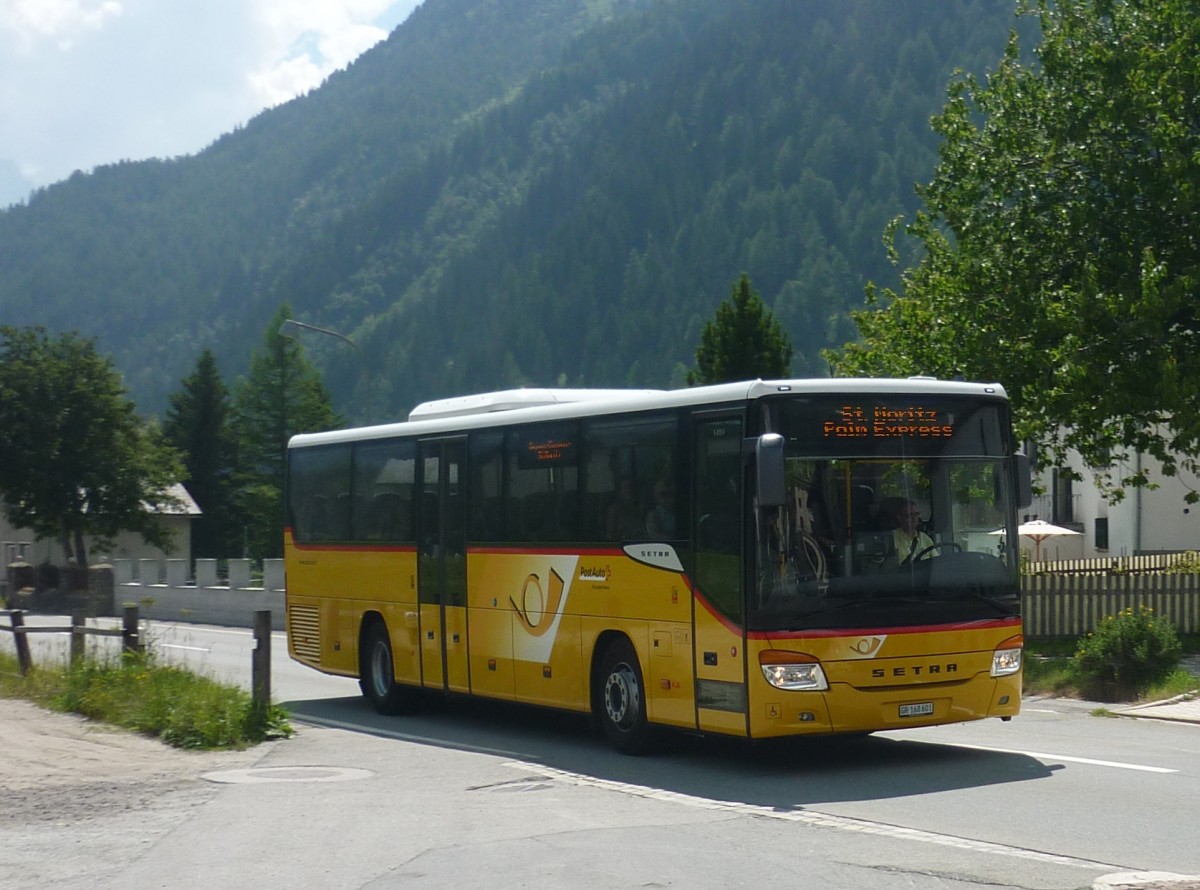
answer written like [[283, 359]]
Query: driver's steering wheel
[[938, 546]]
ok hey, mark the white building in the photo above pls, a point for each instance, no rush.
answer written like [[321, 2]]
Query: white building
[[1146, 521], [22, 543]]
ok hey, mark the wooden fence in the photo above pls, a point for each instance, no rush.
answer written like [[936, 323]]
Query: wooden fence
[[1066, 604], [131, 641], [78, 629], [1153, 562]]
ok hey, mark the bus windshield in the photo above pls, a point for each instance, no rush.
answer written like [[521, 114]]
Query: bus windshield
[[895, 514]]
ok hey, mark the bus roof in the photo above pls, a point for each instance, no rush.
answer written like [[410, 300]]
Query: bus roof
[[508, 407], [511, 399]]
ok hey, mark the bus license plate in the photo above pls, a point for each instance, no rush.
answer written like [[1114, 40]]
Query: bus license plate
[[919, 709]]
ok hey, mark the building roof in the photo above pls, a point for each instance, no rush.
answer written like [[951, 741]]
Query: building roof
[[181, 504]]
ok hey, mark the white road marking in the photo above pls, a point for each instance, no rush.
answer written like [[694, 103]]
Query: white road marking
[[817, 820], [1115, 764]]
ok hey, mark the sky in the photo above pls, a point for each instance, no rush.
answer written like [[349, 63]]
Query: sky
[[91, 82]]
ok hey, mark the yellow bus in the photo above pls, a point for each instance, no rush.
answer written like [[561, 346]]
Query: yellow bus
[[757, 559]]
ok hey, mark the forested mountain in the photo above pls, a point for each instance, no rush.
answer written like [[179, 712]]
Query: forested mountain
[[502, 193]]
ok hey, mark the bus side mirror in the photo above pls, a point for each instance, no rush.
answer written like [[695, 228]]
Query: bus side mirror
[[1024, 480], [768, 454]]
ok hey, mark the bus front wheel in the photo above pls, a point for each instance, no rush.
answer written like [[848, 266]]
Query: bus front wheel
[[620, 699], [377, 673]]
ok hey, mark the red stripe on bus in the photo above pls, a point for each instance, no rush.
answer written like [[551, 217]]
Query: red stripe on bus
[[983, 624], [358, 548], [547, 551]]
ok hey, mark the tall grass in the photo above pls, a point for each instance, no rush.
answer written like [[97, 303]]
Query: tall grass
[[162, 701]]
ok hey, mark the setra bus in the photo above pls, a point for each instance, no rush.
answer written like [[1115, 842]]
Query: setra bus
[[758, 559]]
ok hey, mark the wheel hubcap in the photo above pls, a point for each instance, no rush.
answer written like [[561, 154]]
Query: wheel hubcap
[[622, 699], [381, 670]]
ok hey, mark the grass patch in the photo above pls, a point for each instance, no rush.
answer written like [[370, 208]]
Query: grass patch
[[1049, 675], [1051, 669], [135, 692], [1180, 681]]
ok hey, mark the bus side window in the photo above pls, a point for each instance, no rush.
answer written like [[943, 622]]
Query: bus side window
[[630, 460], [383, 491], [486, 518], [383, 520], [314, 519], [543, 482], [319, 483]]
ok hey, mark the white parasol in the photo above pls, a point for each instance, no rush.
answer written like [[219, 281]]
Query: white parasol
[[1038, 530]]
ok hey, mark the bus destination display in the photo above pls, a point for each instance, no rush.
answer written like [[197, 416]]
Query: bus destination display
[[856, 421]]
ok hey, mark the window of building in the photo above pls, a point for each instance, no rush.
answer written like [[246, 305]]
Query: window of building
[[1063, 497]]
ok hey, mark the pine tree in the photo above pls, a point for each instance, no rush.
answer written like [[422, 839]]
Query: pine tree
[[198, 426], [282, 395], [743, 341]]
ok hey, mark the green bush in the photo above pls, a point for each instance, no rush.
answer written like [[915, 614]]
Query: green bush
[[1126, 654], [1184, 564], [164, 701]]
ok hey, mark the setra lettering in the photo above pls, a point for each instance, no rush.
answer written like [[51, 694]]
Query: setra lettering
[[914, 670]]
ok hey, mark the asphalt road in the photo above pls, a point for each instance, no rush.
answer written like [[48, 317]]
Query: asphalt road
[[472, 794]]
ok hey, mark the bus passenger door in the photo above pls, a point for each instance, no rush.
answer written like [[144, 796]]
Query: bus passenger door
[[442, 565], [718, 605]]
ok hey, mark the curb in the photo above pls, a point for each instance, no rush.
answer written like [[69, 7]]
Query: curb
[[1147, 880], [1183, 708]]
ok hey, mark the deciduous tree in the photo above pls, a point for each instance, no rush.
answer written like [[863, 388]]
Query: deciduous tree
[[1061, 254], [75, 459]]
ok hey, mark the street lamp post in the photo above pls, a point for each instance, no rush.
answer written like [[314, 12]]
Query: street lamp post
[[291, 329]]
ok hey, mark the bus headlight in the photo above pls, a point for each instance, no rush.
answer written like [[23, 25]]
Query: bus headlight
[[1006, 660], [793, 670]]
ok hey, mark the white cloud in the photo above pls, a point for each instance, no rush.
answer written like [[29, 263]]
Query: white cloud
[[89, 82], [310, 40], [59, 21]]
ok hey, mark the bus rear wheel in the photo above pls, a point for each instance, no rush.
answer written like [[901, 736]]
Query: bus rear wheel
[[377, 672], [620, 699]]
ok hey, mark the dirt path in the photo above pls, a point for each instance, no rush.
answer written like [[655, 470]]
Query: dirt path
[[79, 798]]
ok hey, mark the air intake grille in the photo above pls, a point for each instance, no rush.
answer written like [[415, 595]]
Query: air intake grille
[[304, 631]]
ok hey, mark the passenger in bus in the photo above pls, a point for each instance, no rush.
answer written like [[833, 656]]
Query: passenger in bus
[[623, 518], [660, 521], [909, 541]]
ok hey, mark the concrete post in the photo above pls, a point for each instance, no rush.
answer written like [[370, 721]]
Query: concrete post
[[239, 574], [102, 589], [206, 573], [122, 571], [272, 574], [177, 572], [149, 571]]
